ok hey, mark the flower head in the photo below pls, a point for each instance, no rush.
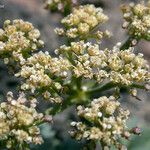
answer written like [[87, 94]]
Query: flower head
[[137, 20], [117, 66], [17, 40], [41, 73], [106, 121], [59, 5], [18, 122], [82, 21]]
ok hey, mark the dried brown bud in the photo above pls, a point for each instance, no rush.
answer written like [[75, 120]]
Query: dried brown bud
[[136, 130], [48, 118]]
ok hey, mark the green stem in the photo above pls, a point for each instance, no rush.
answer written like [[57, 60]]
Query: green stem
[[128, 43], [138, 86], [110, 85], [102, 88], [74, 92], [90, 145], [102, 147]]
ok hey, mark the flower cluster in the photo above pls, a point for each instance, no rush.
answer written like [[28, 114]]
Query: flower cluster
[[137, 20], [80, 70], [118, 66], [41, 72], [18, 123], [60, 5], [105, 121], [17, 40], [82, 21], [127, 68]]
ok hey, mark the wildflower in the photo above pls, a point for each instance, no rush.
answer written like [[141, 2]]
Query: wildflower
[[19, 122], [40, 72], [106, 122], [17, 40], [117, 66], [59, 5], [137, 20], [82, 21]]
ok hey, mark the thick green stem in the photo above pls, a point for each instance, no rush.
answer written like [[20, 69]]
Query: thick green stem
[[75, 94], [102, 88], [110, 85]]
